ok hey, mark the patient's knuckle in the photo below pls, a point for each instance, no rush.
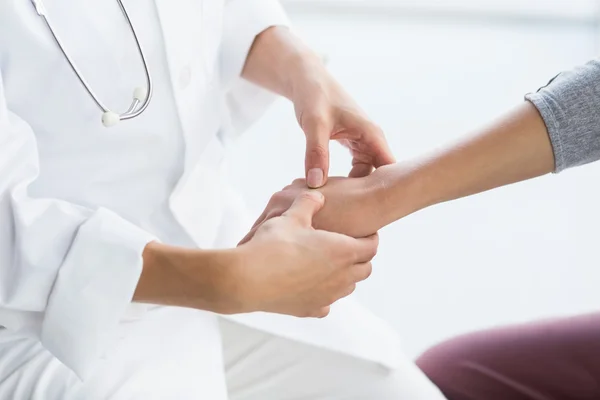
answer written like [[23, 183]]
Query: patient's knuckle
[[297, 181], [276, 212], [268, 226], [276, 198]]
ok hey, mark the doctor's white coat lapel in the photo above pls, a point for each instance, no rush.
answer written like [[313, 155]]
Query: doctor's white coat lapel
[[191, 34]]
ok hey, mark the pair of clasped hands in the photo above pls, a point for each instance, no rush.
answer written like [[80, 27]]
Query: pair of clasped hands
[[317, 237]]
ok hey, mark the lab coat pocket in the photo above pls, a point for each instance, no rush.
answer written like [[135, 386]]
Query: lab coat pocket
[[197, 202]]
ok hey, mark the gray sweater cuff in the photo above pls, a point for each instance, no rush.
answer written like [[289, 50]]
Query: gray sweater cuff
[[570, 108]]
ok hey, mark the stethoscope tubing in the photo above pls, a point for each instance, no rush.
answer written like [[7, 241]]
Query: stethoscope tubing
[[136, 108]]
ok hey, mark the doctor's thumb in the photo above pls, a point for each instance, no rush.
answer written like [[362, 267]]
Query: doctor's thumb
[[316, 161], [305, 206]]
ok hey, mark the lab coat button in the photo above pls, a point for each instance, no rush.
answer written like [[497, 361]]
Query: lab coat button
[[185, 77]]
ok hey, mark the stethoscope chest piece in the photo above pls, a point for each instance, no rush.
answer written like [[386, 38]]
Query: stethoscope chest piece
[[110, 118]]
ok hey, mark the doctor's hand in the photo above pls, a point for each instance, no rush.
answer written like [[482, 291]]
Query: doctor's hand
[[291, 268], [353, 206], [281, 62], [326, 112]]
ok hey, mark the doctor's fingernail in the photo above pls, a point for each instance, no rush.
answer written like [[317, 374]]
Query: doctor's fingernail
[[314, 178], [315, 194]]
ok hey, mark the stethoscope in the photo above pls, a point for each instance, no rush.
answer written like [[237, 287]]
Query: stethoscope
[[141, 96]]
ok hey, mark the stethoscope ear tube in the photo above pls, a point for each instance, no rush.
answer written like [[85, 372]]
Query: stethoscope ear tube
[[141, 96]]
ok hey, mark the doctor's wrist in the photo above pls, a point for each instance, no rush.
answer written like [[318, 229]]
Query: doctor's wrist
[[200, 279], [279, 60], [297, 64]]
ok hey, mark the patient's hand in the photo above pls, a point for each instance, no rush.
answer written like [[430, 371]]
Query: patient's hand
[[351, 205]]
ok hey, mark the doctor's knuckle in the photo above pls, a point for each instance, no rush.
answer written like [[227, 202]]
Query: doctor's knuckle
[[324, 312], [332, 297], [317, 120], [349, 290], [364, 271], [352, 253], [375, 239], [372, 251], [349, 279], [375, 129], [368, 252], [317, 152]]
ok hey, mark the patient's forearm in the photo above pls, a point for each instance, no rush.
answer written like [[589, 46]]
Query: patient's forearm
[[561, 131], [513, 149], [558, 128]]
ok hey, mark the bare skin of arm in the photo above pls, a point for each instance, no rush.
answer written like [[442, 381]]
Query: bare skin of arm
[[514, 148], [287, 268], [282, 63]]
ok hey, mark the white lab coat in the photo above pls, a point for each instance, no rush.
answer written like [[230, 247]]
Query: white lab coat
[[75, 196]]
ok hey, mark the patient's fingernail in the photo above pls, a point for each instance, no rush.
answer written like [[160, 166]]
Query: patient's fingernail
[[314, 178]]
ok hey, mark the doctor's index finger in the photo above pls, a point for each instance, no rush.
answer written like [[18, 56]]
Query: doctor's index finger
[[360, 170], [373, 141], [316, 161], [365, 249], [382, 153]]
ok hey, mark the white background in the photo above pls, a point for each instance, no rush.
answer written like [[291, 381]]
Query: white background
[[514, 254], [561, 9]]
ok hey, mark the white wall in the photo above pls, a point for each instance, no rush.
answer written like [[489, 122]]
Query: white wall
[[559, 9], [517, 253]]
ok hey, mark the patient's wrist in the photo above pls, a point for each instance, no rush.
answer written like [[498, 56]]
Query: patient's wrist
[[402, 190]]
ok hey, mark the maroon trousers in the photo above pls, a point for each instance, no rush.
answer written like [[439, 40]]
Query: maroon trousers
[[549, 360]]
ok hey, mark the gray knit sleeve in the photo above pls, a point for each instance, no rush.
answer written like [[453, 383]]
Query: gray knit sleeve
[[570, 107]]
